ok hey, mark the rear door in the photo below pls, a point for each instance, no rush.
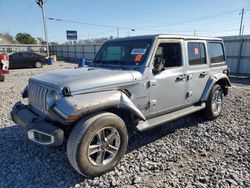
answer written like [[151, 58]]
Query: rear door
[[197, 70]]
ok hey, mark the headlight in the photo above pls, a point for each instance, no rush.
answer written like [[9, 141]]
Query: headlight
[[52, 96]]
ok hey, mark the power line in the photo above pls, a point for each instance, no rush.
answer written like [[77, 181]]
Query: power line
[[93, 24], [28, 13], [197, 19], [108, 31], [88, 23]]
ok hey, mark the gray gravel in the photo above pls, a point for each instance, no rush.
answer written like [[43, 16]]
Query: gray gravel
[[189, 152]]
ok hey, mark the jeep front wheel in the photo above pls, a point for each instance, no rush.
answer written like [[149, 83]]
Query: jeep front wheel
[[214, 103], [97, 143]]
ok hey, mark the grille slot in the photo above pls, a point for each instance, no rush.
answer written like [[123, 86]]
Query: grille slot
[[37, 97]]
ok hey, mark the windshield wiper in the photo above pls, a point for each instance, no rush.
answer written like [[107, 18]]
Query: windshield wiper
[[115, 64], [100, 62]]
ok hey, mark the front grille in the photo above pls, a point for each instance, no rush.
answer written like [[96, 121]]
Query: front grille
[[37, 97]]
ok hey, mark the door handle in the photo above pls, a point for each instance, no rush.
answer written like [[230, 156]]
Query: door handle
[[180, 77], [203, 74]]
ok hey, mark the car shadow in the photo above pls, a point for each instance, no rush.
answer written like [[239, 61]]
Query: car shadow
[[18, 68], [140, 139], [24, 163]]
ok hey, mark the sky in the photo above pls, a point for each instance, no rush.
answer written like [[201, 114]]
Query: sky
[[202, 17]]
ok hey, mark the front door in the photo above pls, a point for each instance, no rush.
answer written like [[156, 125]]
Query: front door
[[28, 59], [168, 80], [197, 71]]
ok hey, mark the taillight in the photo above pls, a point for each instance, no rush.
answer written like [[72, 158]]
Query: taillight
[[4, 57]]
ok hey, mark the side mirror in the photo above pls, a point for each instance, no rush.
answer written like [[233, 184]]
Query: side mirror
[[155, 71]]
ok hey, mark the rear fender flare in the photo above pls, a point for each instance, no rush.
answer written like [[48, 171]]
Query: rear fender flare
[[217, 78]]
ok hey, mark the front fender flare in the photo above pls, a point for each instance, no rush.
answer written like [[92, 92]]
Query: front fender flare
[[211, 82], [82, 104]]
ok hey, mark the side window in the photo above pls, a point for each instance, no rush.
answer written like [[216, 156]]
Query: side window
[[27, 54], [169, 54], [196, 53], [216, 52], [16, 55]]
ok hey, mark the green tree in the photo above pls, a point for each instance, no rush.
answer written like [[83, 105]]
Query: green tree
[[25, 38], [8, 38]]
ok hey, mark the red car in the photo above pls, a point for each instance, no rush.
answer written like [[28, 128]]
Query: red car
[[4, 65]]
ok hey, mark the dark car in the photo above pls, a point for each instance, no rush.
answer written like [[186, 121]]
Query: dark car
[[26, 59]]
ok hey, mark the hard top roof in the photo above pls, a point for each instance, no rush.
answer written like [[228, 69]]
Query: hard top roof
[[167, 36]]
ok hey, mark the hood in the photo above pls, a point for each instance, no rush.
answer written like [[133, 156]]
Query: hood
[[86, 78]]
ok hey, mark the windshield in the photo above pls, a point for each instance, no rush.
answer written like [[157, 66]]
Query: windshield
[[133, 52]]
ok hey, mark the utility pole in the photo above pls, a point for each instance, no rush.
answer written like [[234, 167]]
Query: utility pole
[[41, 5], [241, 21], [118, 32], [194, 32], [243, 28]]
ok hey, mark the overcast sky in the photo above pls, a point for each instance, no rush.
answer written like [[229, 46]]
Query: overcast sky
[[208, 18]]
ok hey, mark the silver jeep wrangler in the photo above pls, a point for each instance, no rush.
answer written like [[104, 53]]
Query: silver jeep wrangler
[[136, 82]]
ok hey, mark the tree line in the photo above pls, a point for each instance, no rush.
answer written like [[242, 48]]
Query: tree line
[[21, 38], [26, 38]]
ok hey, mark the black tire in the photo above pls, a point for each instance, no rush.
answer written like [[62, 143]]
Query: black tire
[[2, 78], [82, 136], [38, 64], [210, 112]]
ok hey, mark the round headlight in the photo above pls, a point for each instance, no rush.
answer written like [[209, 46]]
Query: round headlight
[[52, 96]]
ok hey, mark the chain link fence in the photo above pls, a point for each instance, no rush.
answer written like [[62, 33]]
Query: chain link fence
[[11, 48], [72, 52]]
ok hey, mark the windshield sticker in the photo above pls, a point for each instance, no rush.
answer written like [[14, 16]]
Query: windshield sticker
[[138, 58], [138, 51]]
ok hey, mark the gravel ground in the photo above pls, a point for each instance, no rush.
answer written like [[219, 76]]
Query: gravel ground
[[188, 152]]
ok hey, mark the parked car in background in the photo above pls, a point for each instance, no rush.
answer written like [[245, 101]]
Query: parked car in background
[[27, 59], [4, 65]]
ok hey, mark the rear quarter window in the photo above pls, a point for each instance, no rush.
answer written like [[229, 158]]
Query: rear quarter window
[[216, 52]]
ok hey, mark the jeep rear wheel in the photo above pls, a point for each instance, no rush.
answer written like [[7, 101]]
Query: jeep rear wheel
[[97, 143], [214, 103]]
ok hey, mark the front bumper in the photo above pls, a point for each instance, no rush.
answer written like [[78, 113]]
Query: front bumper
[[37, 129]]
